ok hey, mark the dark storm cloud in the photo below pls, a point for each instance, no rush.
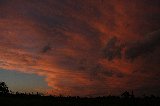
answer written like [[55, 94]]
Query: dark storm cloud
[[2, 2], [152, 3], [112, 49], [149, 44], [99, 72], [70, 63], [67, 24], [46, 48], [50, 21], [56, 26]]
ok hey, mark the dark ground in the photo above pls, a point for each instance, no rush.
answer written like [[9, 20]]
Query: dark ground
[[33, 100]]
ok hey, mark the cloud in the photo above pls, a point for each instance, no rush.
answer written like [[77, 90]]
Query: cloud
[[46, 48], [112, 49], [82, 48], [148, 45]]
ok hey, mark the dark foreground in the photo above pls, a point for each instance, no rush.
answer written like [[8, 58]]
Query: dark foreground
[[14, 100]]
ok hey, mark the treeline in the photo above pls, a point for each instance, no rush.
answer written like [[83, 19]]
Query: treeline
[[38, 99]]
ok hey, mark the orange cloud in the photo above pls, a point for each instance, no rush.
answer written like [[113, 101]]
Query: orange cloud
[[82, 47]]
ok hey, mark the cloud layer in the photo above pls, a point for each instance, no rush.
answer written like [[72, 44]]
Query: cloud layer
[[84, 47]]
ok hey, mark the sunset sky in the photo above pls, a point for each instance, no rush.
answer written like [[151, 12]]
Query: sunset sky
[[80, 47]]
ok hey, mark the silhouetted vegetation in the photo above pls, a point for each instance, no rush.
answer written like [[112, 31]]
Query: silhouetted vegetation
[[3, 88], [8, 98]]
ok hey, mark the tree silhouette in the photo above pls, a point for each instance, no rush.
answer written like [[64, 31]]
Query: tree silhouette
[[3, 88], [125, 94]]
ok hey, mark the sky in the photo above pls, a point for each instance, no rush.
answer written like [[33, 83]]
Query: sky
[[17, 81], [80, 47]]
